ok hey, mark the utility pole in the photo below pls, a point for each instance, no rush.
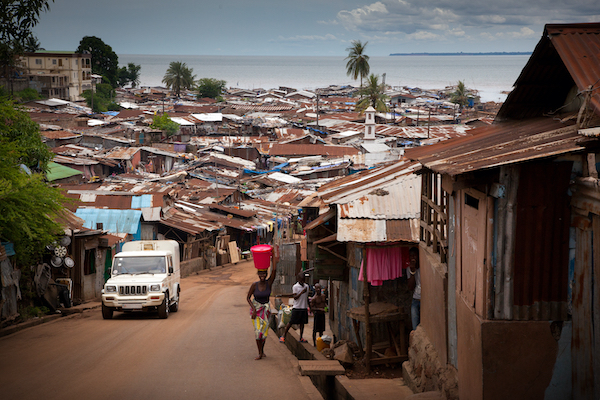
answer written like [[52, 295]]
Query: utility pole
[[239, 188], [428, 121], [317, 110]]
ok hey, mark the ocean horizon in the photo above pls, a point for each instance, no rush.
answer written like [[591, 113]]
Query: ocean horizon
[[491, 75]]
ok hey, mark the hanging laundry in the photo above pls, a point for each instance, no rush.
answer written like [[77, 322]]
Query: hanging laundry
[[383, 264]]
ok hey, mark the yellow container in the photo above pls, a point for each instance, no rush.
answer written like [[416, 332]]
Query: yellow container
[[321, 344]]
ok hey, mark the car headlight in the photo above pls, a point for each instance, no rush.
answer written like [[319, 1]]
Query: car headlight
[[110, 289], [155, 288]]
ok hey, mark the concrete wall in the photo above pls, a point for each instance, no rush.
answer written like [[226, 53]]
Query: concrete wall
[[189, 267], [503, 359]]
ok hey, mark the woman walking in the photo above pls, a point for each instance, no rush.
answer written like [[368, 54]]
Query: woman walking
[[259, 306]]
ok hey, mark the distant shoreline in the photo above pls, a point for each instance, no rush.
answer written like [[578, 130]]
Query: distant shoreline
[[501, 53]]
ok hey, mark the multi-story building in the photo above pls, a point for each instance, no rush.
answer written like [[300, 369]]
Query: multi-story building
[[58, 74]]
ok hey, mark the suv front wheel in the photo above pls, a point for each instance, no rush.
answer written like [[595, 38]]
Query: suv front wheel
[[163, 309], [107, 312]]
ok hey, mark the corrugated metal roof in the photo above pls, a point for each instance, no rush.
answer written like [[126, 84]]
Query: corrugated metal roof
[[188, 222], [144, 200], [356, 185], [579, 48], [378, 230], [500, 144], [74, 160], [566, 55], [287, 195], [114, 221], [275, 149], [151, 213], [60, 134], [234, 211], [378, 205], [399, 199], [122, 153], [57, 171]]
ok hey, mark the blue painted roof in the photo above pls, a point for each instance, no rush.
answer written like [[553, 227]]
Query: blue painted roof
[[114, 221], [142, 201]]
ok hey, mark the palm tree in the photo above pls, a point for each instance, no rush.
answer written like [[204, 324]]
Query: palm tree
[[32, 44], [133, 71], [460, 96], [178, 77], [372, 95], [358, 62]]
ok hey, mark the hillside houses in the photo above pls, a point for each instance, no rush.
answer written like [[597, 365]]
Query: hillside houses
[[235, 171]]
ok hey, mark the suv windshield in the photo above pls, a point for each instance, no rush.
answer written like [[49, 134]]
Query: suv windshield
[[139, 265]]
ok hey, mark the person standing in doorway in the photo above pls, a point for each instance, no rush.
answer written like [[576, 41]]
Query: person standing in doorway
[[414, 284], [260, 309], [300, 307], [317, 306]]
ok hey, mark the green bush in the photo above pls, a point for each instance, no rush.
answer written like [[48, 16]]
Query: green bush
[[34, 312]]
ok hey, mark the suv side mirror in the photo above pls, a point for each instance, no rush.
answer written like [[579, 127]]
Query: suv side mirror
[[170, 269]]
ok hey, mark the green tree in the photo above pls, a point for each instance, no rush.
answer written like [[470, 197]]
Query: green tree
[[105, 61], [372, 94], [210, 87], [165, 124], [27, 94], [32, 44], [103, 98], [17, 20], [130, 74], [178, 77], [28, 206], [460, 96], [357, 61]]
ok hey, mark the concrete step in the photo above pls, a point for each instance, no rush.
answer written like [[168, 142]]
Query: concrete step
[[321, 367]]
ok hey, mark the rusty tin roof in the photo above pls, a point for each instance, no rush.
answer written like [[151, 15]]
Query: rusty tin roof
[[500, 144]]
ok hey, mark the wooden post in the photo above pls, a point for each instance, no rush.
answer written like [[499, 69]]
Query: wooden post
[[367, 298], [511, 211]]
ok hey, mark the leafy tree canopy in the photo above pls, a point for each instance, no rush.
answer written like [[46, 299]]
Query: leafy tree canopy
[[460, 96], [105, 61], [28, 206], [17, 19], [372, 94], [211, 88], [165, 124], [103, 95], [178, 77], [27, 94], [130, 74]]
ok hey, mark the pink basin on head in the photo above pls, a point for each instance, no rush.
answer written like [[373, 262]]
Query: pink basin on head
[[261, 253]]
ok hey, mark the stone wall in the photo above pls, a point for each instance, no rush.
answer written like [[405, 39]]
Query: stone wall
[[423, 372], [192, 266]]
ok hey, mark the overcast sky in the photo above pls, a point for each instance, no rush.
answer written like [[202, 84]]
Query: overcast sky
[[306, 27]]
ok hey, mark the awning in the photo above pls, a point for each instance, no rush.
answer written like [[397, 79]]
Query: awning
[[321, 219], [330, 238]]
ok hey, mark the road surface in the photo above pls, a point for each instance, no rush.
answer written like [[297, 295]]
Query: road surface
[[204, 351]]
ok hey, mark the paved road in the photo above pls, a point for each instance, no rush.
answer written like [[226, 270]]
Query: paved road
[[204, 351]]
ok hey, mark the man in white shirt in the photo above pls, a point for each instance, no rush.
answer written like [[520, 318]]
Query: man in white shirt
[[299, 309]]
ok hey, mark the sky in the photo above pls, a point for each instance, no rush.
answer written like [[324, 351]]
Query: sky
[[306, 27]]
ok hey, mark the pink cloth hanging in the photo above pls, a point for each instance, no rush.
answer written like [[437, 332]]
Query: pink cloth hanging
[[384, 264]]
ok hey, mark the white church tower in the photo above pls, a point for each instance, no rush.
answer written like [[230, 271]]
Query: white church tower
[[370, 123]]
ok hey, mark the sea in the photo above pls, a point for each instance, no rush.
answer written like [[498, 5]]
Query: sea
[[492, 76]]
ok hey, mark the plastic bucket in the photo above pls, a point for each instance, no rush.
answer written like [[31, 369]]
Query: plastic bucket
[[261, 253]]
